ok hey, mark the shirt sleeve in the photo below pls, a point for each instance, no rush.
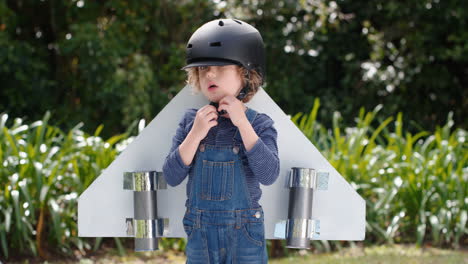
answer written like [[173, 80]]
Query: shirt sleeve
[[174, 169], [263, 157]]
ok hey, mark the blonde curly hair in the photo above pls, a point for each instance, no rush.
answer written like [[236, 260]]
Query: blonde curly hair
[[255, 80]]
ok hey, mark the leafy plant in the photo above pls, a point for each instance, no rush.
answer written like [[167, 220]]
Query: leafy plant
[[42, 174], [415, 185]]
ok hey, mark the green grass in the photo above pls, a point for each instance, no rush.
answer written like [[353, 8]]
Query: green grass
[[395, 254], [381, 255]]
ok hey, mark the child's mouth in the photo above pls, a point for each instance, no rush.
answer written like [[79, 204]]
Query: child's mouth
[[212, 87]]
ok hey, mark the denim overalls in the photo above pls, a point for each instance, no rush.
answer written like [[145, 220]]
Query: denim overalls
[[221, 225]]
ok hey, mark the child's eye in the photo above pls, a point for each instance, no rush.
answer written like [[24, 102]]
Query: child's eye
[[202, 68]]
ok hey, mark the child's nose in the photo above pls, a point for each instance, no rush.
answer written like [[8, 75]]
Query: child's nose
[[211, 73]]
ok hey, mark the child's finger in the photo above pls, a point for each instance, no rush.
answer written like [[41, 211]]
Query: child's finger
[[211, 108], [223, 102], [206, 107], [206, 110], [212, 116], [213, 123], [202, 112]]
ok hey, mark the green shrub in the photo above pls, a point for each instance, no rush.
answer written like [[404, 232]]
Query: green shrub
[[415, 185], [43, 172]]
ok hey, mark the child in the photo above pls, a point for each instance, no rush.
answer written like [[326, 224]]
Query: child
[[226, 148]]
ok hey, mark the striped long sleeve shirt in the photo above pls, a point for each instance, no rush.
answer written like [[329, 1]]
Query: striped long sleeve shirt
[[261, 163]]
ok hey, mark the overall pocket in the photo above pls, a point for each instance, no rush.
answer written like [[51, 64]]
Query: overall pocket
[[255, 233], [217, 180]]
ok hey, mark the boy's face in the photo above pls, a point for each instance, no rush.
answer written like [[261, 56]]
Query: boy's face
[[217, 82]]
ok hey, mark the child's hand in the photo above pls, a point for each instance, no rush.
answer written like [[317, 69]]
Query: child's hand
[[205, 119], [235, 110]]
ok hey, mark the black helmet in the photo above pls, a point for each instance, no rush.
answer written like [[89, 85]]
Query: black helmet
[[224, 42]]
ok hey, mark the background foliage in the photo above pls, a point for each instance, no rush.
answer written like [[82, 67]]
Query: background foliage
[[104, 64], [111, 62], [415, 185]]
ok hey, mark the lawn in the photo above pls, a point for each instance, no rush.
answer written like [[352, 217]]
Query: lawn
[[371, 255], [382, 255]]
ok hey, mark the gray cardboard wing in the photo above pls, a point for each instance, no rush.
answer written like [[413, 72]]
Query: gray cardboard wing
[[105, 205]]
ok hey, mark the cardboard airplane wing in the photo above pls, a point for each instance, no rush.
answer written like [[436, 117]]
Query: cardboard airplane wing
[[338, 212]]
